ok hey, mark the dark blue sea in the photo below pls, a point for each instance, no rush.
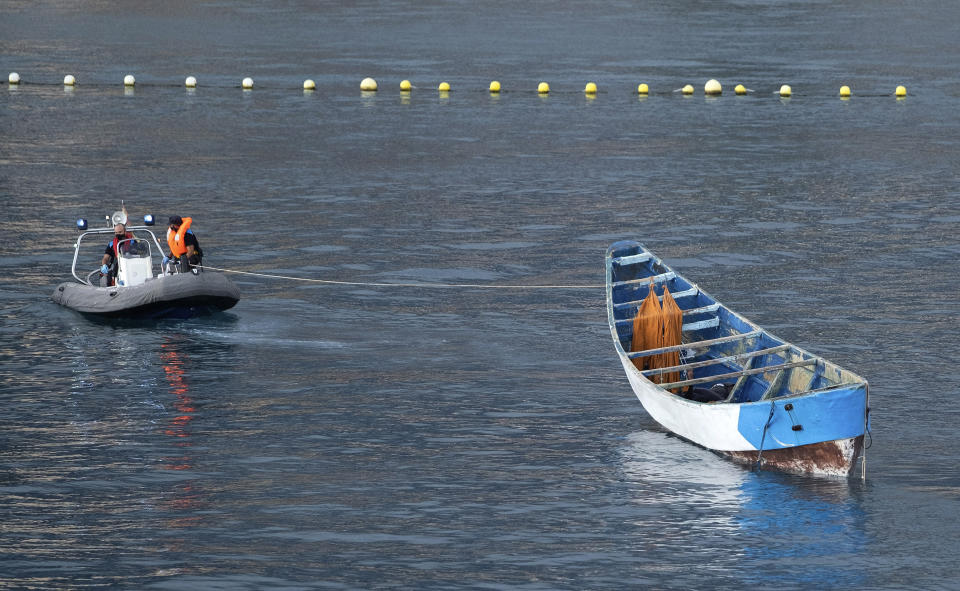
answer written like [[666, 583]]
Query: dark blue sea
[[327, 436]]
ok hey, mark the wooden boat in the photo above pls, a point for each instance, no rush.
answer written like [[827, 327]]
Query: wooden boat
[[732, 387]]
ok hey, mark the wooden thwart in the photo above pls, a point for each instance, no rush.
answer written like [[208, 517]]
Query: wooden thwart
[[696, 344], [689, 327], [702, 324], [680, 294], [690, 312], [737, 374], [731, 358], [632, 259], [661, 278]]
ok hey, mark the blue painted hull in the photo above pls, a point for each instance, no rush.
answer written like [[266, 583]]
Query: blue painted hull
[[787, 409]]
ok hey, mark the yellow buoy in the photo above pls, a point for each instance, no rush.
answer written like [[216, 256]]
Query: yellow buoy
[[643, 89], [129, 80], [368, 84], [590, 88], [845, 91], [901, 91], [69, 80], [13, 78], [405, 85], [785, 90], [444, 87], [495, 86], [740, 89], [688, 89], [309, 84], [712, 87], [190, 82], [247, 83], [543, 88]]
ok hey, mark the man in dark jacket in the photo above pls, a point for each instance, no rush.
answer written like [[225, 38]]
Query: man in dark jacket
[[108, 264]]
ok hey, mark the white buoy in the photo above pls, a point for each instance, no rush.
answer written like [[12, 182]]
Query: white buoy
[[786, 91], [129, 80], [13, 78], [688, 89], [247, 83], [309, 84], [712, 87], [69, 80], [368, 84], [190, 82]]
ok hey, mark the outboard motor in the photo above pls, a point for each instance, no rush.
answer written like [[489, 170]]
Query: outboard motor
[[135, 262]]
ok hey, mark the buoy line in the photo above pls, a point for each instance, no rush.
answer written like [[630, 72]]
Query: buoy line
[[428, 285], [369, 86]]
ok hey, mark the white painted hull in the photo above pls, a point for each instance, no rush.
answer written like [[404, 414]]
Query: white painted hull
[[714, 426], [801, 428]]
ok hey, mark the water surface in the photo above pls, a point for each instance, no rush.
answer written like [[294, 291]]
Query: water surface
[[321, 436]]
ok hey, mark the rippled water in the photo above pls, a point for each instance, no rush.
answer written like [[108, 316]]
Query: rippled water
[[371, 437]]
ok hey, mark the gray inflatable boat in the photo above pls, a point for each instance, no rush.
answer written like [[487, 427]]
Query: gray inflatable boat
[[174, 292]]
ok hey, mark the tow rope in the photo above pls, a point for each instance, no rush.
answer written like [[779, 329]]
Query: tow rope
[[380, 284]]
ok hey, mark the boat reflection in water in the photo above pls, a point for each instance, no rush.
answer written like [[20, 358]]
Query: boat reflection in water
[[711, 520]]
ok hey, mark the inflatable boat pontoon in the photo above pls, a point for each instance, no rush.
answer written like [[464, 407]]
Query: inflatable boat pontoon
[[176, 292]]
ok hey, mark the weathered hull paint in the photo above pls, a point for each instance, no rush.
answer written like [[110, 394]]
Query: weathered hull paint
[[718, 427], [829, 458]]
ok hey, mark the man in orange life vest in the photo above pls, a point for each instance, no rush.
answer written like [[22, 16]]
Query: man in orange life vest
[[183, 242], [108, 267]]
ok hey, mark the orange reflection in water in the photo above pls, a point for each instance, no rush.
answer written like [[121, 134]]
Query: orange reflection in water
[[173, 367], [184, 503]]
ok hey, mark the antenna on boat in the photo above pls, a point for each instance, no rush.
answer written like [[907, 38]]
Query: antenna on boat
[[119, 217]]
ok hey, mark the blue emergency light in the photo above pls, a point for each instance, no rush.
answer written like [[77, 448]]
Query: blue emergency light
[[148, 219], [81, 224]]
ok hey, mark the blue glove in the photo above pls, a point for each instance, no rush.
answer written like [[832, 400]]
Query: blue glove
[[165, 261], [104, 270]]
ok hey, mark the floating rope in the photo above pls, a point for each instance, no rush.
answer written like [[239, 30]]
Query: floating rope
[[866, 425], [376, 284], [764, 437]]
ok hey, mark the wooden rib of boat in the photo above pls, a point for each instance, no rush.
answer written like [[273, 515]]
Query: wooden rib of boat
[[737, 389]]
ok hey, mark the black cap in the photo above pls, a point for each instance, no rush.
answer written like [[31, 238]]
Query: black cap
[[175, 220]]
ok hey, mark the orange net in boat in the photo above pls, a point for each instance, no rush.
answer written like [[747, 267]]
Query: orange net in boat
[[672, 333], [657, 326], [647, 329]]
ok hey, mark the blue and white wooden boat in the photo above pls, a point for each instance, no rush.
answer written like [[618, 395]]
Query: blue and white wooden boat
[[780, 407]]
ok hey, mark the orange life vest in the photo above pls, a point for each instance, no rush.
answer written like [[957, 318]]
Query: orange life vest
[[115, 245], [175, 240]]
